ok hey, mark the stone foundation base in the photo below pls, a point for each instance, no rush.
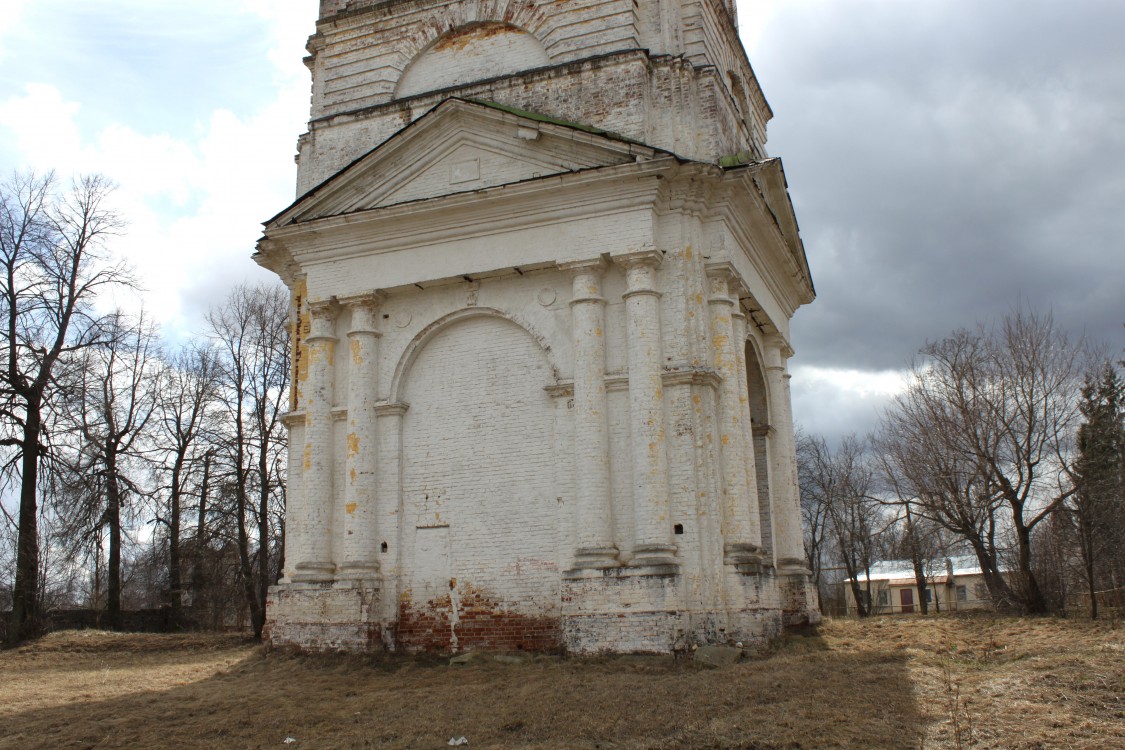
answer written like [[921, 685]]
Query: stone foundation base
[[629, 610], [324, 617], [618, 610], [799, 600]]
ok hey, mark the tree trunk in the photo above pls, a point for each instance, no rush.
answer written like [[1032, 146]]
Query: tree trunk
[[113, 521], [1034, 601], [998, 589], [198, 576], [25, 596], [174, 573], [917, 561]]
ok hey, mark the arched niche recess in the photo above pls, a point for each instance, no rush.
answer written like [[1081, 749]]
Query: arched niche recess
[[470, 53], [760, 420]]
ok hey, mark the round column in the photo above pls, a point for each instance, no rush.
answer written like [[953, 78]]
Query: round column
[[360, 510], [314, 524], [651, 506], [595, 546], [786, 507]]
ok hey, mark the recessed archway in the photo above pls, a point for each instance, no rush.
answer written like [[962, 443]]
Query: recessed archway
[[475, 52]]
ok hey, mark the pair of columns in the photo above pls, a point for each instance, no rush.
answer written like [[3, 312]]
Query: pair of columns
[[741, 525], [310, 530], [652, 507]]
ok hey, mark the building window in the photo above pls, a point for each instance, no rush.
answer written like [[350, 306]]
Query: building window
[[884, 598], [929, 596], [962, 593]]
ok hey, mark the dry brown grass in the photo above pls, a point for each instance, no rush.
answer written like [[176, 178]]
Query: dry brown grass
[[945, 682]]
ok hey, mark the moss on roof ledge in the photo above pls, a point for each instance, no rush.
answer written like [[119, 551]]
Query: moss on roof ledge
[[737, 160]]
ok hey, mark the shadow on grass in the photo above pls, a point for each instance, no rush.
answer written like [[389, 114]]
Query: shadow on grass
[[801, 696]]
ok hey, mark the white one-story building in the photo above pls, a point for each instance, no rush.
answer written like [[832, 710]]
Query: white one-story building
[[952, 584]]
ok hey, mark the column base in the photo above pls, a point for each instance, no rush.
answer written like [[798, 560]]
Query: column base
[[596, 558], [654, 555], [349, 572], [742, 553], [799, 600], [314, 572]]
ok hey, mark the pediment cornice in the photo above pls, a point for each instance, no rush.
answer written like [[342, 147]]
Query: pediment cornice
[[462, 146]]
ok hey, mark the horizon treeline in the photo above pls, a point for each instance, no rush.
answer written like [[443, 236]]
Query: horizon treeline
[[1007, 445]]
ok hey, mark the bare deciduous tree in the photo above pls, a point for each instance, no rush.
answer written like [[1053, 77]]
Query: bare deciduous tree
[[251, 332], [111, 409], [52, 265], [185, 426], [839, 483], [985, 425]]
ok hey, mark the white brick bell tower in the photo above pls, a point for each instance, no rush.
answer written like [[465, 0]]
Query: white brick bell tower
[[543, 272]]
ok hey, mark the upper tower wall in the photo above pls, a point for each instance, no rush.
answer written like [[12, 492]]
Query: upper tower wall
[[671, 73]]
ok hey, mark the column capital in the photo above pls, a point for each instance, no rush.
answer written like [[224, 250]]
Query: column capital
[[365, 311], [386, 409], [648, 257], [777, 351], [370, 299], [587, 280], [324, 308], [322, 314], [583, 267], [721, 270]]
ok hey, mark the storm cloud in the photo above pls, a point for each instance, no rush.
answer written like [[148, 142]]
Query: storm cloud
[[949, 161]]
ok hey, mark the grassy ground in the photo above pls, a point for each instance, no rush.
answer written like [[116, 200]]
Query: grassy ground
[[939, 682]]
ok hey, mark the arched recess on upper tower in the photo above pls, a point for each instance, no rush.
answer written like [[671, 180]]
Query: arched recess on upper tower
[[474, 51]]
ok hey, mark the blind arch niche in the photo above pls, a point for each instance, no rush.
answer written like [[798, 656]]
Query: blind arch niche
[[471, 53]]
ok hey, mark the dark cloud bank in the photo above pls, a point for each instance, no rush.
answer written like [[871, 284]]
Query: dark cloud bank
[[949, 161]]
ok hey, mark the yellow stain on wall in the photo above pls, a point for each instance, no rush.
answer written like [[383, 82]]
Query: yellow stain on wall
[[299, 362], [350, 508], [353, 445], [307, 462], [357, 357]]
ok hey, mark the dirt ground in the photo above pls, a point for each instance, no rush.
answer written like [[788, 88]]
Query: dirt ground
[[895, 682]]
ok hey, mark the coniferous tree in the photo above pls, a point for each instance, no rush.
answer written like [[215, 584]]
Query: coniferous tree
[[1098, 506]]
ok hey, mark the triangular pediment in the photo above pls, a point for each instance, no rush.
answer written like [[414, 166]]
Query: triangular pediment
[[459, 147]]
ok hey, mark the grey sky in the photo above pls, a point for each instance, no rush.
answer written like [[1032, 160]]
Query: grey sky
[[949, 159]]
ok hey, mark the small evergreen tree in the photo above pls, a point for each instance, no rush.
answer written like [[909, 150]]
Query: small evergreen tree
[[1098, 506]]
